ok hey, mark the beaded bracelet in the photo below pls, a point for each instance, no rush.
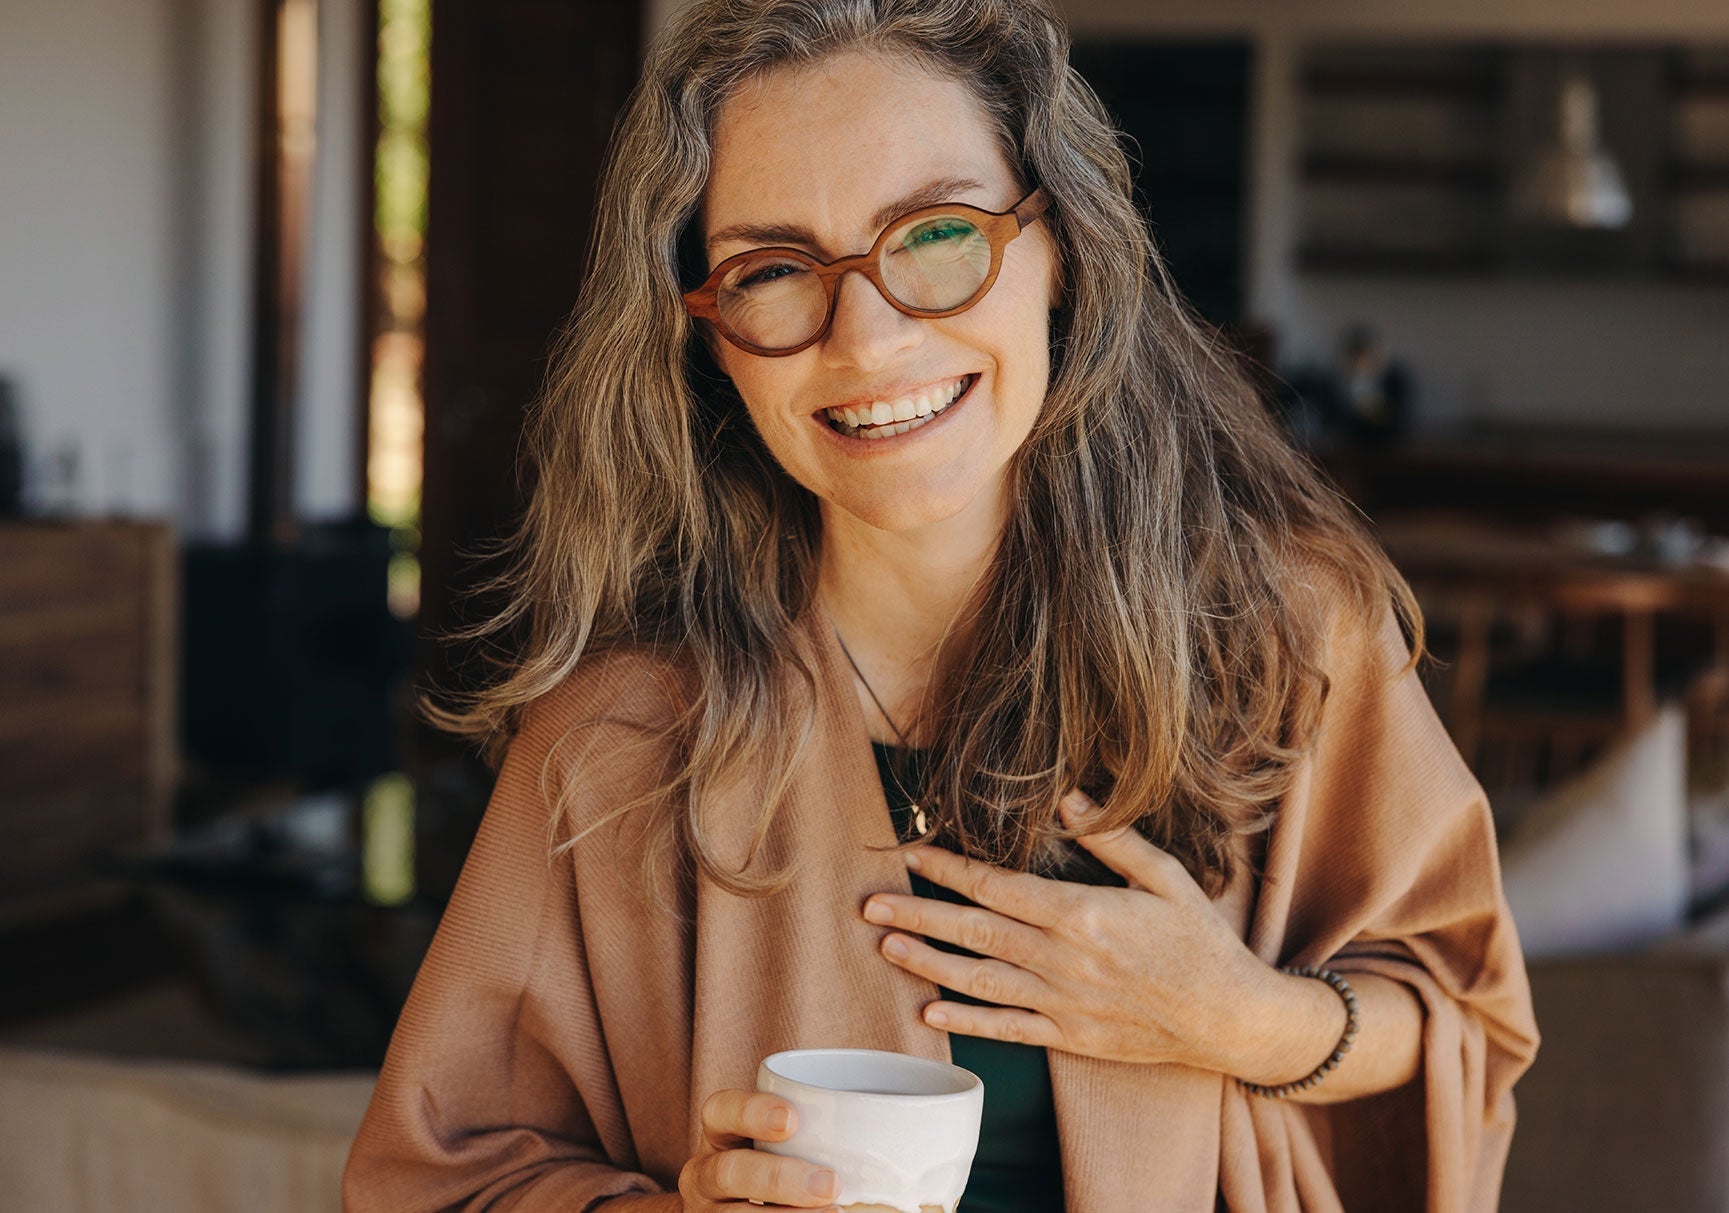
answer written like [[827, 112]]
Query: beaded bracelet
[[1352, 1022]]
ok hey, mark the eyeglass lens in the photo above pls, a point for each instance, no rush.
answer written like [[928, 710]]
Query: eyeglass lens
[[933, 263]]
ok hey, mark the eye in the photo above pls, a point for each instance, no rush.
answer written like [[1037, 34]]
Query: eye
[[767, 271], [938, 241], [766, 274], [940, 230]]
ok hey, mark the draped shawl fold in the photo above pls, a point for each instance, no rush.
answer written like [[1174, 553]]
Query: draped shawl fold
[[560, 1037]]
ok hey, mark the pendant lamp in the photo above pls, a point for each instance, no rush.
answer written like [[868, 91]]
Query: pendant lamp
[[1574, 182]]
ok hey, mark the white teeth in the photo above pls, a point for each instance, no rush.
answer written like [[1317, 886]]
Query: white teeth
[[881, 418]]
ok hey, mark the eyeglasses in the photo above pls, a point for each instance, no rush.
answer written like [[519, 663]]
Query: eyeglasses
[[931, 262]]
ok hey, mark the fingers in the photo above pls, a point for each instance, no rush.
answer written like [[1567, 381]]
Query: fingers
[[729, 1170], [992, 980], [732, 1175], [734, 1118], [980, 931], [1020, 895], [997, 1023]]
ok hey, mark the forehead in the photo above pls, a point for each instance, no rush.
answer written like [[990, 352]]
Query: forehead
[[823, 145]]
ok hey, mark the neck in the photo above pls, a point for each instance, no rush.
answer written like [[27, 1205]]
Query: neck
[[896, 595]]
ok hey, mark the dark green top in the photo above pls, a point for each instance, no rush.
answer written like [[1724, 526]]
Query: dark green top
[[1018, 1168]]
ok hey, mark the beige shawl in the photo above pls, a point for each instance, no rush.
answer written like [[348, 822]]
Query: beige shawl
[[560, 1039]]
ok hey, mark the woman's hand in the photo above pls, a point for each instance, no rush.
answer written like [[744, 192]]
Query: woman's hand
[[726, 1172], [1150, 973]]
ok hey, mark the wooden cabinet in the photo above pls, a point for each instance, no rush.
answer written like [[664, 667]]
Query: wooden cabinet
[[87, 701]]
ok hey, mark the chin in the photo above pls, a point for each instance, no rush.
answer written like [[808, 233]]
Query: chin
[[906, 507]]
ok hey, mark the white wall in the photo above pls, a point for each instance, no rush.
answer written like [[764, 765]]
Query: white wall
[[126, 245], [216, 191], [88, 278]]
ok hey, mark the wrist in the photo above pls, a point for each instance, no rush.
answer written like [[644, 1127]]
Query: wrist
[[1288, 1030]]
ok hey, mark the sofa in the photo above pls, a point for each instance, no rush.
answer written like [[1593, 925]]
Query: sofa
[[110, 1111]]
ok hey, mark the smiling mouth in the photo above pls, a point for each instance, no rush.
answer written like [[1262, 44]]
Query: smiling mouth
[[885, 420]]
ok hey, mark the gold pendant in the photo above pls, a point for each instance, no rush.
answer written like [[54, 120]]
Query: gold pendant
[[919, 821]]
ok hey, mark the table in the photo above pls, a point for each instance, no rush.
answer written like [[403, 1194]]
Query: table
[[1485, 569]]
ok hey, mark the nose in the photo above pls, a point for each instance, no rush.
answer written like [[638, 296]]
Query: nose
[[868, 331]]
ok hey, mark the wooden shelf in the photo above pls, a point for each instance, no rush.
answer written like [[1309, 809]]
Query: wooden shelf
[[1464, 263], [1400, 171], [88, 697], [1368, 181], [1697, 178], [1482, 87], [1700, 88], [1700, 273]]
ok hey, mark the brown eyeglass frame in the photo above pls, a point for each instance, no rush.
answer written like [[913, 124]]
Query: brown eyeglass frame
[[999, 228]]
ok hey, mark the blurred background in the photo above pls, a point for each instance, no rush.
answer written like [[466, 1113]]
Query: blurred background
[[277, 278]]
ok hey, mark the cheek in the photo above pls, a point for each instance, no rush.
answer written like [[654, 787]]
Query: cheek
[[746, 377], [766, 399], [1030, 297], [1027, 354]]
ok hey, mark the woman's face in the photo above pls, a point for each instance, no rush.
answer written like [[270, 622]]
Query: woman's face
[[825, 148]]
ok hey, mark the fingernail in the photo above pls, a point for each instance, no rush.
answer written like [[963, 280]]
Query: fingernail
[[876, 911], [822, 1183], [896, 947], [912, 861], [778, 1120], [937, 1019]]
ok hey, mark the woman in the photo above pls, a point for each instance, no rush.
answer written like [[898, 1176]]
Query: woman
[[993, 507]]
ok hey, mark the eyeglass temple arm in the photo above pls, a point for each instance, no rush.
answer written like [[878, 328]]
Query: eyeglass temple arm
[[1032, 206]]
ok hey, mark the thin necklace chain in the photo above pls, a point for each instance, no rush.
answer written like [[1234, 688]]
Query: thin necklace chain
[[900, 736], [918, 813]]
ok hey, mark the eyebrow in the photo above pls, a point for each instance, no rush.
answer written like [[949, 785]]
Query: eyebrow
[[940, 190]]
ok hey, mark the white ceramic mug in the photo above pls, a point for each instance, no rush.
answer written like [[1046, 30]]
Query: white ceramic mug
[[900, 1131]]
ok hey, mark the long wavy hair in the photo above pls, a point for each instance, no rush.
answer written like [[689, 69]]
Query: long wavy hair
[[1138, 633]]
